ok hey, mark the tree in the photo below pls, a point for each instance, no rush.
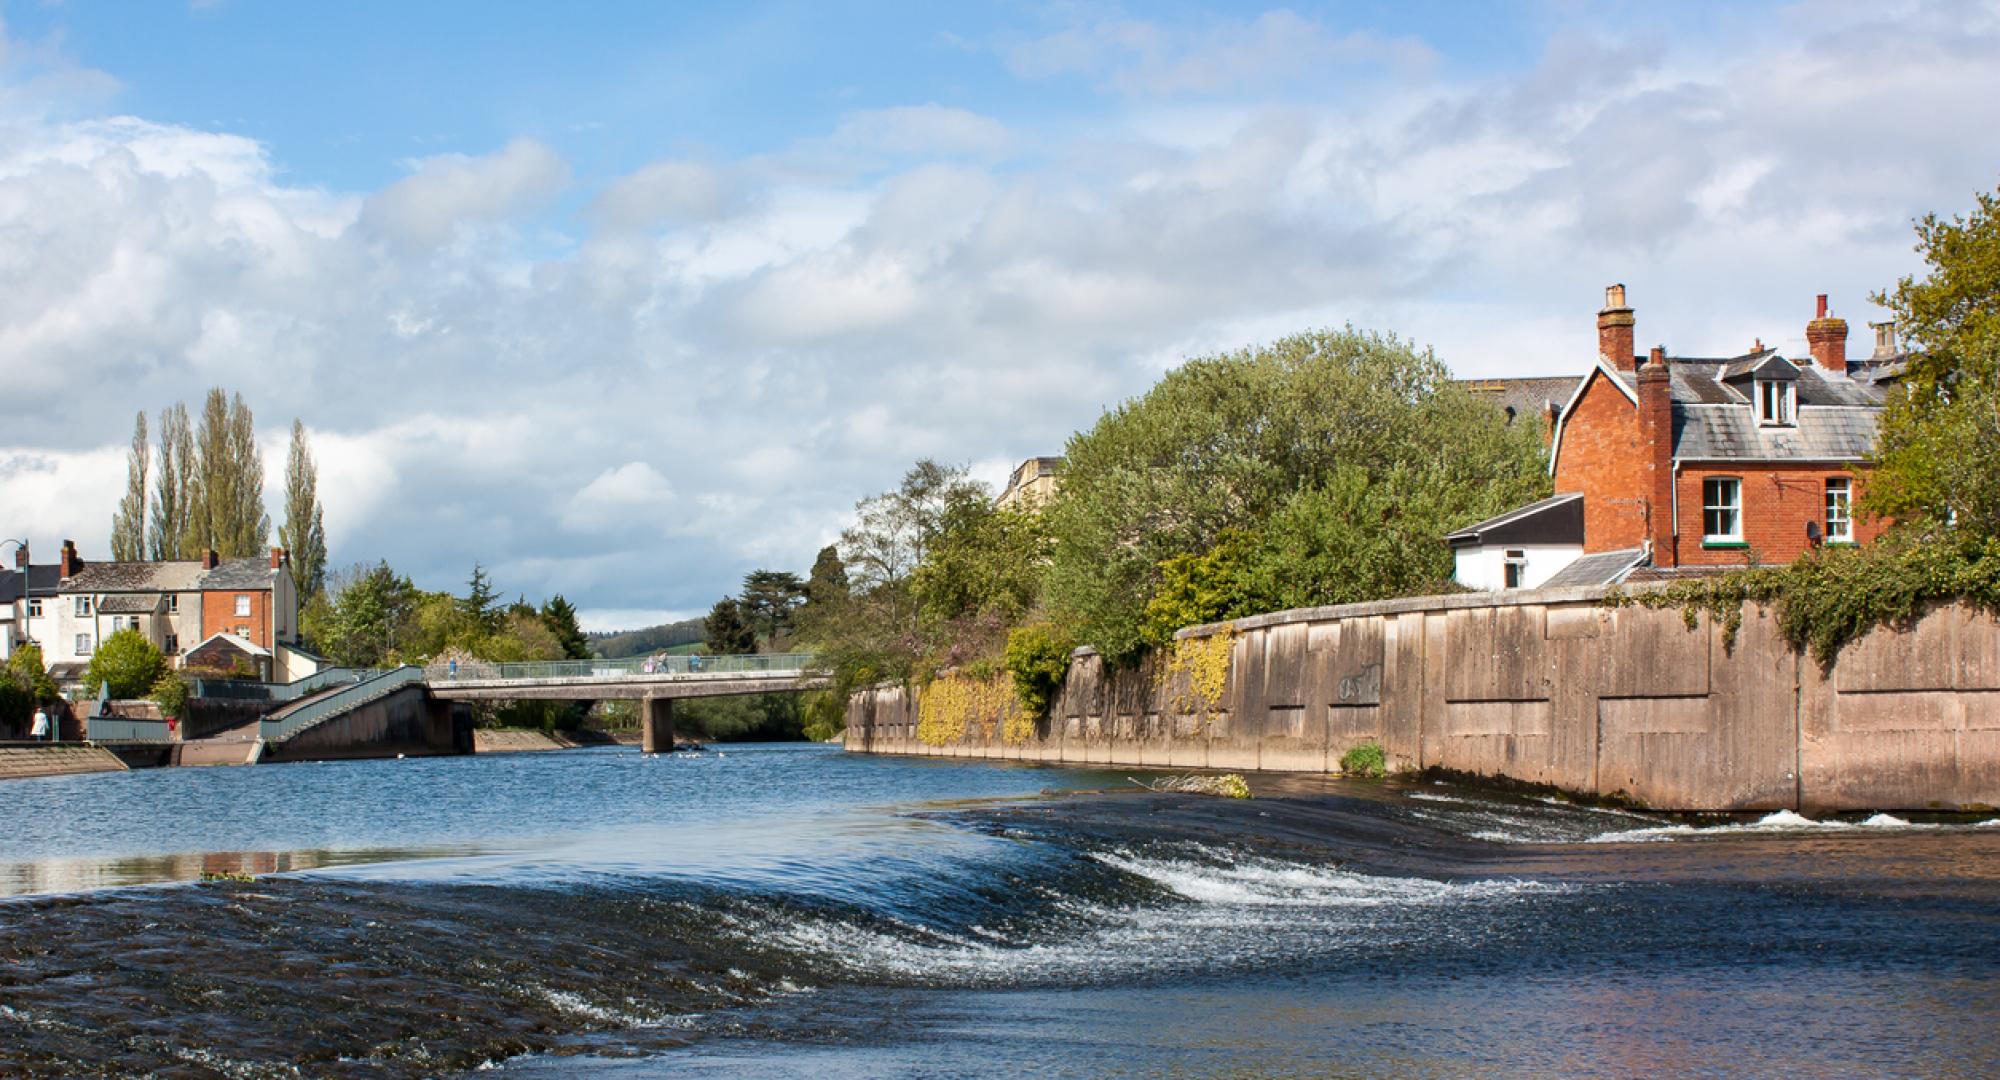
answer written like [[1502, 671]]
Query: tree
[[362, 620], [304, 533], [769, 600], [560, 617], [481, 603], [127, 664], [128, 525], [1938, 446], [1236, 442], [27, 669], [729, 633], [828, 580], [172, 493], [226, 505]]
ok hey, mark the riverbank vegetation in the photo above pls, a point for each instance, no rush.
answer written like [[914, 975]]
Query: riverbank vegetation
[[1322, 468]]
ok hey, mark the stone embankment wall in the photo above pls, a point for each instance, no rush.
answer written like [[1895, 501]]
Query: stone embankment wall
[[407, 721], [19, 760], [1550, 687]]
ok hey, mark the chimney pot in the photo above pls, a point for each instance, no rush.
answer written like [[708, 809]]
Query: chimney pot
[[1826, 337], [1885, 340], [1614, 330]]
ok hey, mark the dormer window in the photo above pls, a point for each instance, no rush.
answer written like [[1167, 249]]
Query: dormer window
[[1777, 401]]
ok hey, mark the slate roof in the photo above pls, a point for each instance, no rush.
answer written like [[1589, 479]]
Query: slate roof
[[118, 577], [1699, 380], [1525, 397], [240, 644], [44, 580], [241, 575], [1555, 520], [129, 604], [1721, 433], [1602, 568], [12, 586], [1641, 574]]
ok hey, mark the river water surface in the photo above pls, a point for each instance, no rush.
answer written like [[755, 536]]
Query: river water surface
[[797, 911]]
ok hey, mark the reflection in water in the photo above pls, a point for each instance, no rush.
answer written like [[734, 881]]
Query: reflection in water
[[75, 875]]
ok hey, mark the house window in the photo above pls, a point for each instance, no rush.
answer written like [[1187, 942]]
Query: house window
[[243, 631], [1515, 571], [242, 606], [1775, 401], [1722, 510], [173, 602], [1840, 510], [172, 644], [34, 609], [83, 644], [83, 605]]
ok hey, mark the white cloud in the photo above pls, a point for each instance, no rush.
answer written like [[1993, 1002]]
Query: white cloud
[[729, 352], [448, 190]]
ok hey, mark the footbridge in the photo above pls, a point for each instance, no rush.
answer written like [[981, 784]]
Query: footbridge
[[655, 682]]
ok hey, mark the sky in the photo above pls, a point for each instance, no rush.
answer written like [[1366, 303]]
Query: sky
[[625, 300]]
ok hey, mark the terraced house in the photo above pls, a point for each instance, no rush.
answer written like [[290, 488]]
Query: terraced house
[[1668, 465], [240, 612]]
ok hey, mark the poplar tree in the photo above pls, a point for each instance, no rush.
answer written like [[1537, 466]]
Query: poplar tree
[[128, 525], [226, 489], [171, 495], [303, 534]]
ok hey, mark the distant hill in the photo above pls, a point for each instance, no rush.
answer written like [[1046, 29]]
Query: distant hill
[[674, 635]]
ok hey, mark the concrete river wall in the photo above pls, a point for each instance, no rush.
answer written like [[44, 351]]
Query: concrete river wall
[[1549, 687]]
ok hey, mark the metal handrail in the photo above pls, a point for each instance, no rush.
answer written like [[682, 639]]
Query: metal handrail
[[621, 670], [284, 725], [246, 690]]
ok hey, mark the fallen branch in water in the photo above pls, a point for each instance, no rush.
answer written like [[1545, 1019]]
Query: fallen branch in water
[[1225, 786]]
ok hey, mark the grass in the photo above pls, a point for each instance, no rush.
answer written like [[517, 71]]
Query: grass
[[1365, 759]]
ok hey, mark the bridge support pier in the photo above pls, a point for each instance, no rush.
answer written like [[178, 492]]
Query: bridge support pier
[[656, 725]]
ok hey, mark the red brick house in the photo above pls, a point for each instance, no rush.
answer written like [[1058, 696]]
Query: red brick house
[[1685, 463]]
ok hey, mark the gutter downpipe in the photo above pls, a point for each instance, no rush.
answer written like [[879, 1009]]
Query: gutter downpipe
[[1674, 497]]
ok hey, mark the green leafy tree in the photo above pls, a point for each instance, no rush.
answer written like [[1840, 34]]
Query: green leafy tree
[[1938, 448], [364, 618], [1228, 442], [128, 525], [226, 491], [828, 579], [304, 532], [172, 487], [170, 693], [729, 633], [769, 600], [17, 705], [982, 561], [126, 663], [560, 617], [26, 667]]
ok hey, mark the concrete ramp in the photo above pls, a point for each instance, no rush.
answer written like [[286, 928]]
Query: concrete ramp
[[58, 759], [238, 746]]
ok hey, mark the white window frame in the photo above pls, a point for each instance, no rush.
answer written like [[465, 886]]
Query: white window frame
[[34, 609], [243, 605], [1715, 503], [82, 607], [243, 632], [83, 644], [1514, 563], [1839, 510], [1777, 402]]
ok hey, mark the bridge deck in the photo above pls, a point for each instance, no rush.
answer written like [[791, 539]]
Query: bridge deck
[[620, 686]]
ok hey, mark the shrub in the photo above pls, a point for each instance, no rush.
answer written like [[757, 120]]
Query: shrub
[[1365, 759], [127, 663], [1038, 659], [170, 692]]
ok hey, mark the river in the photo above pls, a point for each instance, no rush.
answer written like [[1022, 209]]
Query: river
[[797, 911]]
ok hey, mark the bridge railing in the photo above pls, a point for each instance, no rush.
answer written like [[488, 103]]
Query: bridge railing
[[640, 666], [126, 729], [288, 722], [249, 690]]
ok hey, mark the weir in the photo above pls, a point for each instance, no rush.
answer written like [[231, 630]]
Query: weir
[[1553, 687]]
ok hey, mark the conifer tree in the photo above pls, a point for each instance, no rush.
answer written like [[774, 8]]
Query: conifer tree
[[303, 534], [226, 507], [128, 525]]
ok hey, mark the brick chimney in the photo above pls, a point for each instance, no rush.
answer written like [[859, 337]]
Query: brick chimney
[[277, 558], [1656, 436], [1614, 330], [71, 563], [1826, 336], [209, 559], [21, 556]]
